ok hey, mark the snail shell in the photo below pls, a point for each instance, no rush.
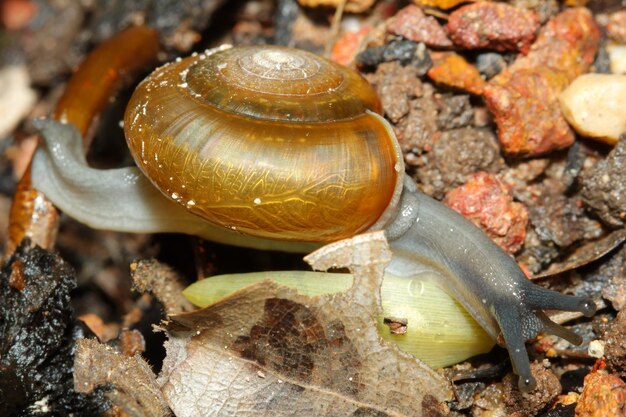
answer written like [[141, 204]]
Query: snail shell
[[272, 142]]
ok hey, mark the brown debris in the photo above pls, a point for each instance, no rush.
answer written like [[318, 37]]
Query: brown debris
[[164, 283], [615, 290], [396, 325], [489, 402], [412, 24], [562, 220], [409, 103], [523, 97], [615, 345], [548, 388], [604, 187], [586, 254], [557, 222], [488, 203], [452, 70], [497, 26], [604, 395], [134, 388], [418, 131], [397, 86], [458, 153], [132, 343], [16, 279], [545, 9], [454, 111], [104, 331]]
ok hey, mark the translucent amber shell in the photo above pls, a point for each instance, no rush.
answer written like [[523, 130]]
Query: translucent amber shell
[[269, 141]]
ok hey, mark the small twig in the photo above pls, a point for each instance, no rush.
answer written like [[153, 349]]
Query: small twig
[[436, 13], [334, 28]]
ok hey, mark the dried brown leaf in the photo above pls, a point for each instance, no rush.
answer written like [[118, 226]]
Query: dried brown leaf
[[134, 388], [586, 254], [266, 350], [163, 282]]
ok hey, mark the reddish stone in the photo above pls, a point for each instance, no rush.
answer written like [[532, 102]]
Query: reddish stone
[[412, 24], [498, 26], [15, 14], [453, 70], [523, 97], [567, 43], [526, 110], [345, 49], [604, 395], [487, 202]]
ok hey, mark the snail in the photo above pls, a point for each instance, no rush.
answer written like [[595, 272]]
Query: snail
[[276, 148]]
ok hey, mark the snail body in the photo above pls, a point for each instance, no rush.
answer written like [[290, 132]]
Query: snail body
[[276, 148]]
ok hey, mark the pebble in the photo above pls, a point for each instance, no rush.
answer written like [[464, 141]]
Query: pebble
[[594, 105], [523, 98], [411, 23], [498, 26], [16, 97], [345, 49], [604, 395], [402, 51], [405, 52], [596, 349], [490, 64], [452, 70], [525, 107], [604, 187], [617, 58], [488, 202], [616, 28]]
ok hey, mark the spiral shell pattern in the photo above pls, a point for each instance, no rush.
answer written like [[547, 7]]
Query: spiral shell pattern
[[270, 141]]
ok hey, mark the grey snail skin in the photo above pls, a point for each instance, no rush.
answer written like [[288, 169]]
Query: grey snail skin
[[277, 148]]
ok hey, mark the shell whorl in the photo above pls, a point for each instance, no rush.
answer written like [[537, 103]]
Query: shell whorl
[[273, 142], [285, 84]]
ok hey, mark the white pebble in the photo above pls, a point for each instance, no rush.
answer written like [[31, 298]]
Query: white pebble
[[617, 58], [16, 97], [594, 105], [596, 349]]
